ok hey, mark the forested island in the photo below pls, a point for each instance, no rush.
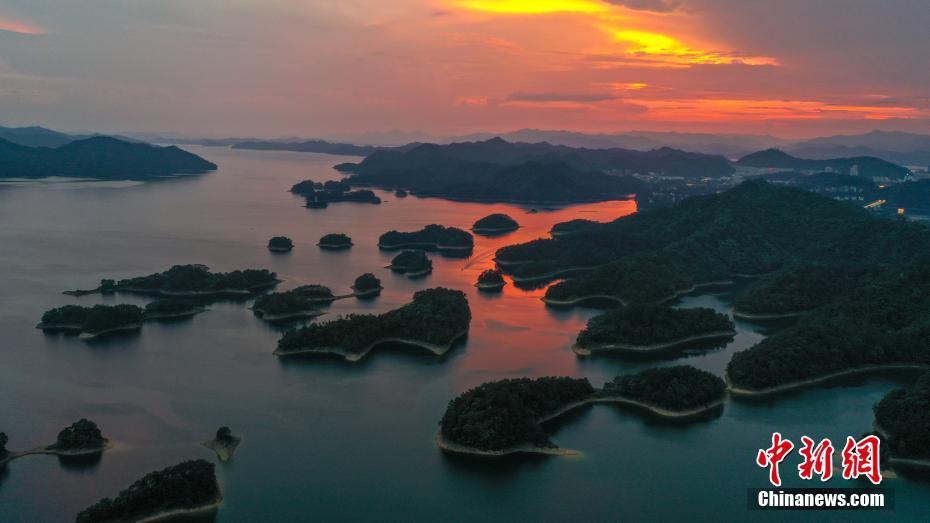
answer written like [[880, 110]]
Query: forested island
[[81, 438], [92, 322], [185, 489], [491, 280], [167, 308], [301, 302], [902, 417], [335, 241], [224, 444], [412, 263], [499, 171], [430, 237], [656, 255], [505, 417], [495, 224], [99, 157], [318, 195], [651, 328], [367, 285], [433, 320], [190, 281], [280, 244]]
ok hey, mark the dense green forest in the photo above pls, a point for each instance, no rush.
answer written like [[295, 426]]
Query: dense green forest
[[678, 388], [194, 278], [82, 434], [754, 228], [883, 320], [411, 262], [436, 236], [303, 298], [280, 243], [366, 283], [436, 316], [904, 414], [3, 441], [795, 289], [95, 319], [188, 485], [502, 414], [337, 240], [651, 324], [496, 223]]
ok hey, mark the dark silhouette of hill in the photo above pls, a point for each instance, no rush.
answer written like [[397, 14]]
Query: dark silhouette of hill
[[862, 166]]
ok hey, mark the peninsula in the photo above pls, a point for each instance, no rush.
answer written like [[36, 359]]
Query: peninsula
[[903, 420], [647, 329], [434, 320], [505, 417], [187, 489], [190, 281]]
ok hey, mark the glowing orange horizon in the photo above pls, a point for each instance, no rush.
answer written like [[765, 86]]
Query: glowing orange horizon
[[16, 26]]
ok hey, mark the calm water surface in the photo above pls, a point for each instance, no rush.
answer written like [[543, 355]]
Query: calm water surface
[[327, 440]]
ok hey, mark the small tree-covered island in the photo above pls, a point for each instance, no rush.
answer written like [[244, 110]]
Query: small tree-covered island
[[301, 302], [495, 224], [434, 320], [92, 322], [902, 418], [412, 263], [191, 281], [186, 489], [224, 444], [168, 308], [643, 329], [280, 244], [504, 417], [491, 280], [430, 237], [367, 285], [335, 241]]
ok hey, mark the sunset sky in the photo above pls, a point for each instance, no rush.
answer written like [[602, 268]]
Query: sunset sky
[[319, 68]]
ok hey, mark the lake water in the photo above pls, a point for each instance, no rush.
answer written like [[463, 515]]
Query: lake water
[[324, 439]]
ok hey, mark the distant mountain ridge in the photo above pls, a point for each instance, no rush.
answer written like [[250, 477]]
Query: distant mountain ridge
[[100, 158], [867, 166], [318, 146]]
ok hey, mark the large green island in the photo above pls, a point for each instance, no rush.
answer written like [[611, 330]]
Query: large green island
[[191, 281], [647, 329], [434, 320], [187, 489], [505, 417]]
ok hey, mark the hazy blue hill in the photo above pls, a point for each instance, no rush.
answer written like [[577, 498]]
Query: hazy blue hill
[[98, 157], [913, 157], [34, 136], [866, 165]]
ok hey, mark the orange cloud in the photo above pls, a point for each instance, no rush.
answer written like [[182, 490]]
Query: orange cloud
[[535, 7], [16, 26], [746, 110], [664, 48]]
